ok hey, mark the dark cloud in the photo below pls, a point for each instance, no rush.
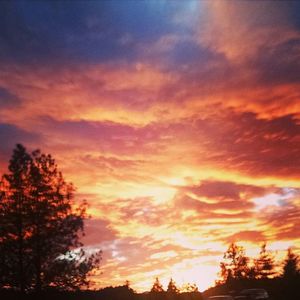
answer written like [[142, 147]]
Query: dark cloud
[[8, 99], [253, 145], [293, 13], [212, 210], [105, 136], [225, 190], [261, 146], [237, 141], [74, 31], [277, 65], [98, 231], [11, 135], [49, 32]]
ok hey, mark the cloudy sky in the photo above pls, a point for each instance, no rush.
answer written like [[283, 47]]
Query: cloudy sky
[[178, 121]]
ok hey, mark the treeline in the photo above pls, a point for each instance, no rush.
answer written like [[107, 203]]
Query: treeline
[[109, 293], [281, 279], [238, 266], [237, 271]]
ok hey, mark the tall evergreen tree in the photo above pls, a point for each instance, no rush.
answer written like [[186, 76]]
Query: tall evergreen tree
[[264, 264], [291, 268], [157, 286], [14, 219], [40, 229], [172, 288]]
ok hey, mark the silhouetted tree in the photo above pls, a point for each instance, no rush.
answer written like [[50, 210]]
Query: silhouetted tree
[[264, 265], [40, 229], [14, 219], [224, 274], [291, 269], [252, 272], [157, 286], [172, 288], [235, 265]]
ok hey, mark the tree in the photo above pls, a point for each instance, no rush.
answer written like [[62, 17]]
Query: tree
[[172, 288], [235, 265], [13, 250], [291, 268], [40, 228], [264, 265], [157, 286]]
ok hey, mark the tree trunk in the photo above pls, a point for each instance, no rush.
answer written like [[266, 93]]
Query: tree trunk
[[21, 247]]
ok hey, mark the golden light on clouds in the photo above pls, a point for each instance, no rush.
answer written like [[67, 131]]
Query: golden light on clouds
[[179, 124]]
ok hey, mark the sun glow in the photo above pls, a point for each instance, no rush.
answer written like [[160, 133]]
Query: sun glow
[[191, 271]]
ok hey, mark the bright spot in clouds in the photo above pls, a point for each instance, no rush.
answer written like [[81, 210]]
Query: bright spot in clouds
[[268, 200], [274, 199]]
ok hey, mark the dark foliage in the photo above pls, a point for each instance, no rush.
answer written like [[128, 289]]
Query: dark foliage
[[109, 293], [39, 228], [291, 268], [261, 275]]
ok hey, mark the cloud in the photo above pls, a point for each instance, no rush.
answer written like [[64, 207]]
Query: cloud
[[98, 231], [239, 30], [248, 144], [8, 99], [11, 135], [225, 190], [216, 202], [122, 93], [283, 218], [70, 32], [247, 235]]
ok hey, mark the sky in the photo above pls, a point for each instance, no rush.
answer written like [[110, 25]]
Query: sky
[[178, 122]]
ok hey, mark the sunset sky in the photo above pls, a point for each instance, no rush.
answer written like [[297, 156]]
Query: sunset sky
[[178, 122]]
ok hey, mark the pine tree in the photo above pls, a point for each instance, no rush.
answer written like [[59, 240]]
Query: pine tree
[[172, 288], [291, 269], [40, 229], [14, 220], [264, 265], [157, 286]]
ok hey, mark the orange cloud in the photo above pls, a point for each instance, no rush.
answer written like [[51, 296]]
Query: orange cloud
[[240, 30]]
